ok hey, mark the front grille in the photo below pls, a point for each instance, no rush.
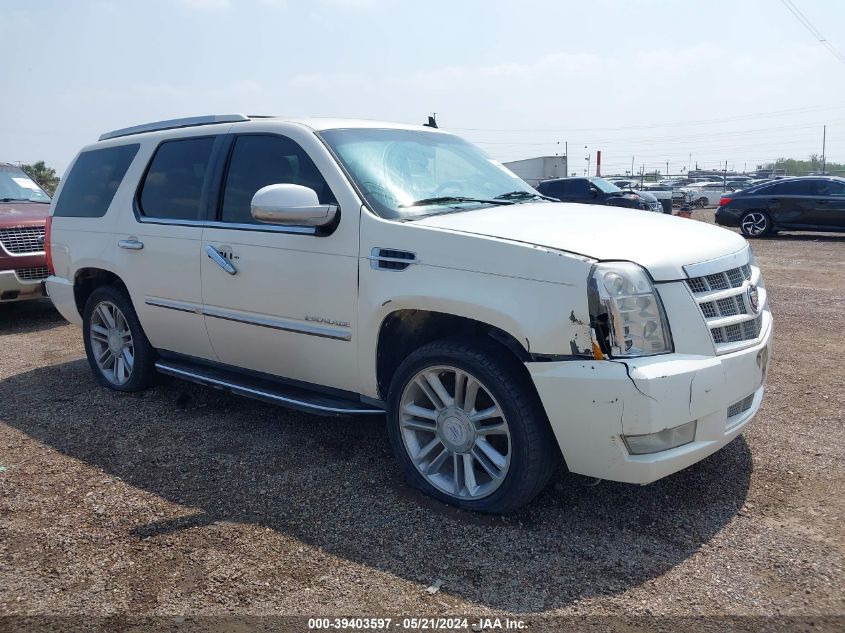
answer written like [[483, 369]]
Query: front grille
[[738, 408], [32, 274], [23, 239], [722, 297]]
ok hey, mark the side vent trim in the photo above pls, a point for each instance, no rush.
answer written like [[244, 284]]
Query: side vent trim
[[391, 259]]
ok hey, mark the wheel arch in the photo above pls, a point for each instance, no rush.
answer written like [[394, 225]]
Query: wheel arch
[[88, 279], [403, 330]]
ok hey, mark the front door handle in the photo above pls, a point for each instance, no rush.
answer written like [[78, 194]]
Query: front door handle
[[132, 245], [217, 257]]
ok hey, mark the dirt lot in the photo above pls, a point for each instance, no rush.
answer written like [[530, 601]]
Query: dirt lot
[[185, 500]]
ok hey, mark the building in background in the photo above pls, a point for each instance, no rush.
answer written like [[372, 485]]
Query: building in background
[[534, 170]]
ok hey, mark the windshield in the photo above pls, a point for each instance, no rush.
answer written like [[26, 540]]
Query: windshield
[[406, 174], [15, 186], [604, 186]]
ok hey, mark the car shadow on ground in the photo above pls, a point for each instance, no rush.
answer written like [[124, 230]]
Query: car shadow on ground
[[21, 317], [332, 483], [807, 237]]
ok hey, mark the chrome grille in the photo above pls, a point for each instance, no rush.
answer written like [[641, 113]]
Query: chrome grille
[[723, 302], [738, 408], [32, 274], [23, 239]]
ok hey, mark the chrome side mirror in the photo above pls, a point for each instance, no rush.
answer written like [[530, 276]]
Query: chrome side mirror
[[291, 205]]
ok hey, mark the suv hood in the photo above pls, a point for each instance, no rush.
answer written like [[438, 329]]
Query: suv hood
[[23, 213], [662, 244]]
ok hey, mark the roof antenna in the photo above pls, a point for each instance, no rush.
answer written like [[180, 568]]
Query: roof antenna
[[432, 122]]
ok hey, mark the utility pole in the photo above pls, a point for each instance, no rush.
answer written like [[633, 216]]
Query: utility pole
[[632, 165], [824, 141], [689, 164], [667, 169], [642, 175], [566, 158]]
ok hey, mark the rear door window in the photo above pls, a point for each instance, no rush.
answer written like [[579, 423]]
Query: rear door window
[[93, 180], [173, 186]]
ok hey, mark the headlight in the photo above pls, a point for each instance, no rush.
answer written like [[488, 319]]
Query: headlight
[[626, 312]]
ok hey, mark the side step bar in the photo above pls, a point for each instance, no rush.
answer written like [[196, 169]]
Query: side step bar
[[289, 396]]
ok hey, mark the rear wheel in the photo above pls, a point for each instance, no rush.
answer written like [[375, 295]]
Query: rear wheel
[[467, 427], [118, 351], [755, 224]]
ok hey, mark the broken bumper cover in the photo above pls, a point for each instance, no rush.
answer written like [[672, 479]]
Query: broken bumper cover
[[591, 405]]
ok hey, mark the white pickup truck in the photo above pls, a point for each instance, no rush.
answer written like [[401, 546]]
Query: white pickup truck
[[359, 268]]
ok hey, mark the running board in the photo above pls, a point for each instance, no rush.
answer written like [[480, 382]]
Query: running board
[[289, 396]]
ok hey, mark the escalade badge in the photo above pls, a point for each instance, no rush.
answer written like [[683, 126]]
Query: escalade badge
[[753, 298]]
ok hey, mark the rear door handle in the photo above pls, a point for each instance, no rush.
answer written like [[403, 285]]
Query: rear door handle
[[132, 245], [217, 257], [823, 201]]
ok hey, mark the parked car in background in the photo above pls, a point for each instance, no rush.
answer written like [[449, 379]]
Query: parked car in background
[[658, 199], [24, 207], [704, 194], [792, 204], [592, 191], [351, 267]]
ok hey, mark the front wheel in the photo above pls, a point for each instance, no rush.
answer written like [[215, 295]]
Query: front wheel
[[467, 427], [118, 351], [755, 224]]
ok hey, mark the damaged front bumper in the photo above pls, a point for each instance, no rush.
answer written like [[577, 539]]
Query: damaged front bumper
[[592, 405]]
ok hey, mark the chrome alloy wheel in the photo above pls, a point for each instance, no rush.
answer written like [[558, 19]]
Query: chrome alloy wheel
[[455, 432], [754, 223], [111, 342]]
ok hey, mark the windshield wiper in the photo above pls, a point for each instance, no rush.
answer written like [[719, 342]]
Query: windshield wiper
[[523, 195], [14, 200], [448, 199]]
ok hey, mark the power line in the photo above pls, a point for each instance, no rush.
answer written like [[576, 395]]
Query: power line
[[805, 22], [739, 117]]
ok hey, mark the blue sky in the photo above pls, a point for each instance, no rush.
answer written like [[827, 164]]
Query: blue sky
[[658, 80]]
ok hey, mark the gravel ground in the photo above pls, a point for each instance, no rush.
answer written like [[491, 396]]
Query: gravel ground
[[185, 500]]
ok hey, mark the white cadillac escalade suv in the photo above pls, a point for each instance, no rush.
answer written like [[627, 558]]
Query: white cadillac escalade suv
[[351, 267]]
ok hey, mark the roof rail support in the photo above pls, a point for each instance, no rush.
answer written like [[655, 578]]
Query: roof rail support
[[191, 121]]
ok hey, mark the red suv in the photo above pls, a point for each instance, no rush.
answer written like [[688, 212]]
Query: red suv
[[24, 207]]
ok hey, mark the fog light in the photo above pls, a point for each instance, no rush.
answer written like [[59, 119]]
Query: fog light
[[660, 441]]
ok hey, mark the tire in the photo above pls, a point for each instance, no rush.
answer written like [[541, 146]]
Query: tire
[[755, 224], [132, 368], [524, 454], [702, 202]]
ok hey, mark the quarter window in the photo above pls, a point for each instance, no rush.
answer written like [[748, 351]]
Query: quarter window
[[830, 188], [261, 160], [93, 180], [172, 188]]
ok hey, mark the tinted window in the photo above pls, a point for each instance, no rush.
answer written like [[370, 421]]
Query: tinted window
[[830, 188], [792, 188], [172, 188], [575, 188], [258, 161], [92, 182]]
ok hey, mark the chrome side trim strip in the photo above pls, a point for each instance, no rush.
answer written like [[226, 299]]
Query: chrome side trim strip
[[285, 325], [210, 224], [175, 371], [279, 324], [179, 306]]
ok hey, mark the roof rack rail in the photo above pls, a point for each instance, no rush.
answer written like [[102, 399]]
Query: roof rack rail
[[191, 121]]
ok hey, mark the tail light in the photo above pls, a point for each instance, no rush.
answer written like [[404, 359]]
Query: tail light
[[48, 255], [724, 200]]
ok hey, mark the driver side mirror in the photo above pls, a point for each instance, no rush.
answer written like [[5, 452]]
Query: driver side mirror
[[291, 205]]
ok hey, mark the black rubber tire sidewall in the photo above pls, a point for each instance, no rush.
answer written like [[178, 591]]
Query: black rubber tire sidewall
[[534, 451], [143, 368]]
